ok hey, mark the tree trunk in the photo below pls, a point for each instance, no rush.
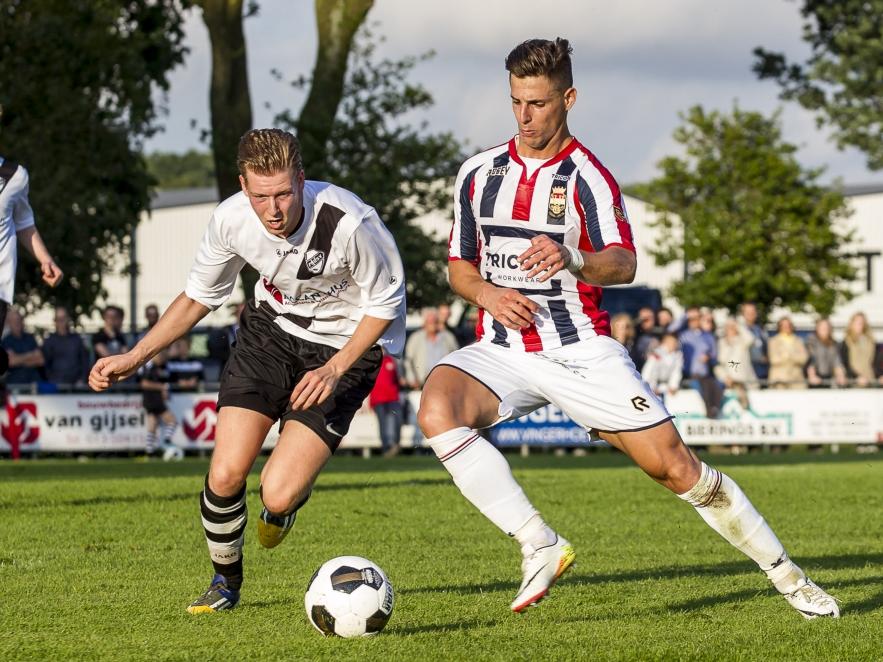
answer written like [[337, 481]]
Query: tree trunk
[[337, 21], [229, 97]]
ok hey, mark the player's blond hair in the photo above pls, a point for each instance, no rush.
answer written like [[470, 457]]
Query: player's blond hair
[[268, 151], [542, 57]]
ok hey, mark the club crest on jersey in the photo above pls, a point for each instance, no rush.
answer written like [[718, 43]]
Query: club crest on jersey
[[315, 261], [619, 213], [557, 201]]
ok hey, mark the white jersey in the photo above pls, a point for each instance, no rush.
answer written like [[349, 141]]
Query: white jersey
[[339, 265], [499, 207], [15, 215]]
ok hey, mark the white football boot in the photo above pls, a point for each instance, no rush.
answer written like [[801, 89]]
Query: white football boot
[[811, 601], [542, 567]]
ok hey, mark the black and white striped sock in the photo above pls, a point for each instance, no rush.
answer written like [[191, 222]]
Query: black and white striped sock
[[224, 520], [151, 443], [168, 431]]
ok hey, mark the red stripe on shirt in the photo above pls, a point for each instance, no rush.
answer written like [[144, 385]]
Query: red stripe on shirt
[[622, 225], [590, 298], [531, 338], [524, 192]]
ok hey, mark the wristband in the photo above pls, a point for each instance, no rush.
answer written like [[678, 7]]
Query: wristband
[[576, 259]]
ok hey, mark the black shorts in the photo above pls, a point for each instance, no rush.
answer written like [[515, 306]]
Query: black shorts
[[153, 402], [266, 363]]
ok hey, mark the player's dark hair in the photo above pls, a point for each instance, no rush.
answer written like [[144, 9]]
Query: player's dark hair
[[542, 57], [268, 151]]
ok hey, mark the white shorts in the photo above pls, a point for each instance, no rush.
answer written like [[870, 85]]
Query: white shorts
[[593, 381]]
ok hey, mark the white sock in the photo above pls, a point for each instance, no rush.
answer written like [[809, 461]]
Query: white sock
[[485, 479], [726, 509]]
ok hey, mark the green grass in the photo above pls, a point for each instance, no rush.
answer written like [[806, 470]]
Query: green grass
[[99, 559]]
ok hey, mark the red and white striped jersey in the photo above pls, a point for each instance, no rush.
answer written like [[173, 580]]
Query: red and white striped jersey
[[574, 200]]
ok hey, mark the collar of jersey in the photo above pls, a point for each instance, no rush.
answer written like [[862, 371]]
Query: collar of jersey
[[560, 156]]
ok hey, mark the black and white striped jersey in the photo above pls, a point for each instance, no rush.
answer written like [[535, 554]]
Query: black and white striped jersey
[[341, 263], [500, 205]]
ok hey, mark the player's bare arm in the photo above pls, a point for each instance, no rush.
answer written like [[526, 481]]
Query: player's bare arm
[[511, 308], [33, 242], [316, 385], [180, 317], [612, 266]]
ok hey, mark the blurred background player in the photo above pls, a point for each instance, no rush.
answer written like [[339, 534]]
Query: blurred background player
[[331, 292], [539, 227], [155, 380], [17, 222]]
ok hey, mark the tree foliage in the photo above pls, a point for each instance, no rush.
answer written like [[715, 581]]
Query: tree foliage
[[192, 169], [399, 169], [752, 224], [76, 84], [842, 80]]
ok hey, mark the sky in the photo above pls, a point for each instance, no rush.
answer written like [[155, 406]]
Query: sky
[[637, 65]]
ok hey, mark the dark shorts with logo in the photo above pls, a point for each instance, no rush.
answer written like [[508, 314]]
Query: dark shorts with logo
[[266, 363]]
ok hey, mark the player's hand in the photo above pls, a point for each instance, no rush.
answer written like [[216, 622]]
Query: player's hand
[[314, 388], [111, 369], [545, 256], [509, 307], [52, 275]]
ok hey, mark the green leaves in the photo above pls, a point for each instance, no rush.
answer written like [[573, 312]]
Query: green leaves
[[751, 223], [842, 79], [76, 83]]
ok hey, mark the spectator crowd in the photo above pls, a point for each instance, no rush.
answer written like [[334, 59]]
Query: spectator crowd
[[64, 357], [691, 352], [671, 353]]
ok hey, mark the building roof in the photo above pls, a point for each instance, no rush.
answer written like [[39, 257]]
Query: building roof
[[183, 197], [851, 190]]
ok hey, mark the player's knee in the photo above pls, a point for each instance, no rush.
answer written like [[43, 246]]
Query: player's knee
[[280, 500], [225, 480], [436, 414]]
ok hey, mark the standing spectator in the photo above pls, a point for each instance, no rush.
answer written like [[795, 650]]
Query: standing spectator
[[385, 400], [155, 378], [664, 367], [110, 340], [825, 366], [17, 222], [151, 314], [647, 335], [734, 366], [66, 359], [760, 348], [622, 329], [859, 349], [700, 356], [788, 356], [665, 319], [426, 347], [25, 356]]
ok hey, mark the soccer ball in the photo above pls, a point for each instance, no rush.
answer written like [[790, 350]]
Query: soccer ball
[[349, 596], [172, 453]]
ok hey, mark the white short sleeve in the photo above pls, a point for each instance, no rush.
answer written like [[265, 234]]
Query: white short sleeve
[[215, 268], [377, 268], [22, 214]]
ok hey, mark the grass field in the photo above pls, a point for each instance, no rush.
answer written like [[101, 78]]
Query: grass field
[[99, 559]]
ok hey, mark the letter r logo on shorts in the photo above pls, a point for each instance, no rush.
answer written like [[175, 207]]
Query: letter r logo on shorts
[[640, 403]]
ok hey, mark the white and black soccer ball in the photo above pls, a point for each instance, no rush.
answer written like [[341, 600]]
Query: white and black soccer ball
[[349, 596], [172, 453]]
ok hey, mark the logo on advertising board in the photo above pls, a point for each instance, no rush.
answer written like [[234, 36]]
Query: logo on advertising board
[[736, 423], [200, 425], [19, 427]]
